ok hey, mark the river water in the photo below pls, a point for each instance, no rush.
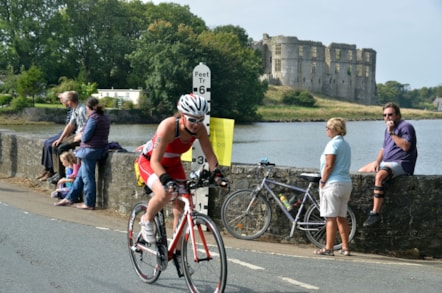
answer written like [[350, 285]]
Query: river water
[[297, 144]]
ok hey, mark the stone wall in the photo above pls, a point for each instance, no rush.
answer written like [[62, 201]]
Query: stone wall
[[412, 215]]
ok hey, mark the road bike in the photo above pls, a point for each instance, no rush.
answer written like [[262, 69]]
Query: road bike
[[247, 213], [204, 264]]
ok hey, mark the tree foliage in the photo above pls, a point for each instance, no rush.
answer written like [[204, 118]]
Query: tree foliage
[[394, 91], [31, 83], [131, 44]]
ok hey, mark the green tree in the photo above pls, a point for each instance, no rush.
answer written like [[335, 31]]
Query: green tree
[[164, 60], [391, 91], [235, 68], [29, 33], [31, 83]]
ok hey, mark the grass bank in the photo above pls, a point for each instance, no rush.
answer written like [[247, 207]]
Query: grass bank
[[325, 108]]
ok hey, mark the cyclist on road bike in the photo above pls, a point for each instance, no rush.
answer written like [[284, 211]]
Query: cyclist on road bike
[[160, 163]]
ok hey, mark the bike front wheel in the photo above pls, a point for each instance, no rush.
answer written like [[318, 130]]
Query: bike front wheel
[[316, 227], [246, 214], [204, 260], [143, 255]]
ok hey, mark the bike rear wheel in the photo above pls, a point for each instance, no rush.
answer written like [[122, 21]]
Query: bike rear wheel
[[205, 269], [246, 214], [317, 232], [143, 261]]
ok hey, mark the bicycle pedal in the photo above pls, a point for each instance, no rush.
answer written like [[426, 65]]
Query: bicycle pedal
[[135, 248]]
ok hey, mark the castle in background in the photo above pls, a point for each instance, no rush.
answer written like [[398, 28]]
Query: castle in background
[[339, 70]]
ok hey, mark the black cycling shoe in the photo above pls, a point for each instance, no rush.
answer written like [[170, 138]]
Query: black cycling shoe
[[372, 219]]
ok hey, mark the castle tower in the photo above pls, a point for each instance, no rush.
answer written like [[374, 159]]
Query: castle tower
[[339, 70]]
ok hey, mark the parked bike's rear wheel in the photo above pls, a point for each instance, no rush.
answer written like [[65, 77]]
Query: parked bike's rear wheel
[[317, 234], [205, 269], [246, 214], [144, 262]]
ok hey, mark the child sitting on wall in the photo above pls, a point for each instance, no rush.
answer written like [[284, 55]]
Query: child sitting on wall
[[64, 184]]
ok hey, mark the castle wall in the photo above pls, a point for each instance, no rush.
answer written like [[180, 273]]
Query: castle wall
[[338, 70]]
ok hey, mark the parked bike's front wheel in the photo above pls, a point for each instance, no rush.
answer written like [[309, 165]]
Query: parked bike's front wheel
[[143, 255], [246, 214], [205, 260], [316, 227]]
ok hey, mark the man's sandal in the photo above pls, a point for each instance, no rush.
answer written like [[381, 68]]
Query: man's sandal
[[323, 251]]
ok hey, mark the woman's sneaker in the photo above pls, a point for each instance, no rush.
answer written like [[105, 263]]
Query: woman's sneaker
[[147, 232]]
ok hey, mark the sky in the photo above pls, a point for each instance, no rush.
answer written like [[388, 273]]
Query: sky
[[406, 34]]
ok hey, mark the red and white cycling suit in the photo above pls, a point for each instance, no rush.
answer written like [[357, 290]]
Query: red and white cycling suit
[[171, 160]]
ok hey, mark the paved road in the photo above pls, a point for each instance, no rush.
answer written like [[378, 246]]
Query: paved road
[[56, 249]]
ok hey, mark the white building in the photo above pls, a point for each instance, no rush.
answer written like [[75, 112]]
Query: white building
[[121, 94], [438, 103]]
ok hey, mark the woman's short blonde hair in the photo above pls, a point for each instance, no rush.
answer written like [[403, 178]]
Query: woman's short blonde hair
[[338, 124]]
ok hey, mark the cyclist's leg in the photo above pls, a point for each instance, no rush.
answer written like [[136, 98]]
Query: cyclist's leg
[[177, 210]]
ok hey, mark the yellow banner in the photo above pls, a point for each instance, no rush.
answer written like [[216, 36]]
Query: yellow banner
[[221, 138]]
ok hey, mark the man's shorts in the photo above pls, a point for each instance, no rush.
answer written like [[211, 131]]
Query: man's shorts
[[394, 166]]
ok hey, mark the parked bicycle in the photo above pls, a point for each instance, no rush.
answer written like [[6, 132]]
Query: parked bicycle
[[246, 213], [204, 264]]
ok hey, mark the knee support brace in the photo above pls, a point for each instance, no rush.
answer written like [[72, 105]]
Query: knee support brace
[[390, 174], [377, 194]]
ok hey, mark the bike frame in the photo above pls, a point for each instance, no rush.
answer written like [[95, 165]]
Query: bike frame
[[294, 220], [186, 218]]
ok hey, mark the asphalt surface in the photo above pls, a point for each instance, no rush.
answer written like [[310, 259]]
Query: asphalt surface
[[36, 199]]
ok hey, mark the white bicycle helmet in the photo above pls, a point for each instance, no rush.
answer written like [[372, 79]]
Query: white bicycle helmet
[[192, 104]]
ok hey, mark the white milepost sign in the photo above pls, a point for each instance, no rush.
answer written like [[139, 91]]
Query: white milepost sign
[[201, 87]]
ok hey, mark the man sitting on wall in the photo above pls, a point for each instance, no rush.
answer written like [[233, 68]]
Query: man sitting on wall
[[69, 138]]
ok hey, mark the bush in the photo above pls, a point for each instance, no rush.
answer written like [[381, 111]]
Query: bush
[[20, 103], [5, 99], [298, 98]]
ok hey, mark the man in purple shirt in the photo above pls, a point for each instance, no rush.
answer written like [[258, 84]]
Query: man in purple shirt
[[397, 156]]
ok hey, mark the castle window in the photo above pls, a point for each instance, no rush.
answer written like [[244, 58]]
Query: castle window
[[337, 68], [350, 55], [367, 57], [314, 67], [278, 49], [359, 70], [367, 71], [300, 51], [338, 54], [314, 52], [278, 65]]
